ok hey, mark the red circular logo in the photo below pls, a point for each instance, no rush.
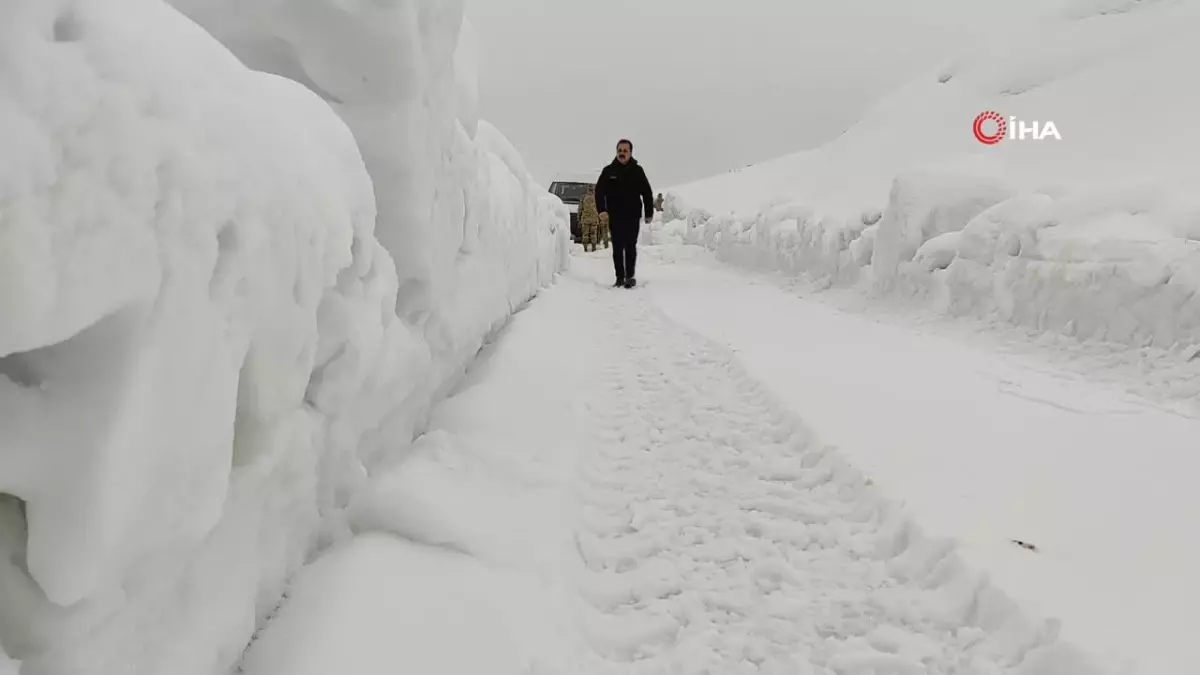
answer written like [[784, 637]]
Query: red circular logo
[[984, 137]]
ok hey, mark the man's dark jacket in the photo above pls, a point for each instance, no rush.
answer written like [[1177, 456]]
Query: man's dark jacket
[[624, 192]]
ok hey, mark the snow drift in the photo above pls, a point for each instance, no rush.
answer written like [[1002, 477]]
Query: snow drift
[[1093, 236], [204, 345]]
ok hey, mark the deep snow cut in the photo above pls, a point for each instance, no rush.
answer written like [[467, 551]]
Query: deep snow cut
[[203, 344], [1093, 235]]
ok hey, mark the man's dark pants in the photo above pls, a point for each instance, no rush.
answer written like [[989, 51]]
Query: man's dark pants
[[624, 246]]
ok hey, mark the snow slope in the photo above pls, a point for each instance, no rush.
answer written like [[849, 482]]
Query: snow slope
[[1093, 236], [203, 344]]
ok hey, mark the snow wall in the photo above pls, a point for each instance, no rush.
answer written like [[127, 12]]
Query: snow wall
[[1095, 236], [224, 300]]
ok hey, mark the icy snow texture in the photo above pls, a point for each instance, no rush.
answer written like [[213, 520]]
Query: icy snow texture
[[1094, 236], [200, 353]]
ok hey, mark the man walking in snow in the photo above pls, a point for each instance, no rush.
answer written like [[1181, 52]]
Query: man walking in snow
[[623, 195]]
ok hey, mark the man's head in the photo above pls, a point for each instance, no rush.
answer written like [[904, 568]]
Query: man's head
[[624, 150]]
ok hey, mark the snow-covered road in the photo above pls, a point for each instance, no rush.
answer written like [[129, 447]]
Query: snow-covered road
[[986, 448], [615, 490]]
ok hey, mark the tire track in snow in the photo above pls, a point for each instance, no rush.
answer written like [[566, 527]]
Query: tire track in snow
[[720, 538]]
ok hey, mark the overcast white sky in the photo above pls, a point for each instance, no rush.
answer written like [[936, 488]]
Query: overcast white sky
[[700, 86]]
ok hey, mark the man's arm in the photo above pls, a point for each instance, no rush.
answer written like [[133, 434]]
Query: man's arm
[[647, 195]]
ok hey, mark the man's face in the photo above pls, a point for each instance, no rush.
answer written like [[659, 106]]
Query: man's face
[[623, 152]]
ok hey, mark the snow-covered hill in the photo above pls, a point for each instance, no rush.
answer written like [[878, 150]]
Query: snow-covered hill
[[1094, 235], [218, 310]]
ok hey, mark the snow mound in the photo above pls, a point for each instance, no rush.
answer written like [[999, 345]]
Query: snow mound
[[1093, 235], [203, 344]]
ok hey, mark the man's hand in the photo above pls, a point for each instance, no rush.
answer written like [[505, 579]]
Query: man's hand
[[649, 219]]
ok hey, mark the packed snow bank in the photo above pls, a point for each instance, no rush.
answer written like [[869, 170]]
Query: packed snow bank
[[402, 76], [466, 555], [200, 352], [1093, 236]]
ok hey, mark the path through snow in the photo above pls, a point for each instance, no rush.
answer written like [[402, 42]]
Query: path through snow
[[985, 447], [610, 492]]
